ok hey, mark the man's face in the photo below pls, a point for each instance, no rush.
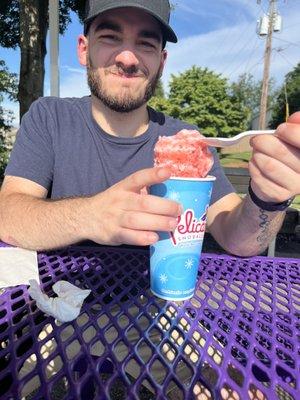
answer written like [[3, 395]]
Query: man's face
[[124, 58]]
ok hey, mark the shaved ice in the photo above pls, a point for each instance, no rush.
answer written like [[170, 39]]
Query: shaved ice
[[185, 154]]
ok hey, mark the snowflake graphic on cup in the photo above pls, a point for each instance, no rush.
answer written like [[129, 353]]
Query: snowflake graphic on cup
[[189, 263], [163, 278], [174, 195]]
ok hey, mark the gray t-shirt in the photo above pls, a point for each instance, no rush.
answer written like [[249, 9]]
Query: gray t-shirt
[[61, 147]]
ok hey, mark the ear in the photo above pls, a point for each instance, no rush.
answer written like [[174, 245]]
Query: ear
[[82, 49], [163, 60]]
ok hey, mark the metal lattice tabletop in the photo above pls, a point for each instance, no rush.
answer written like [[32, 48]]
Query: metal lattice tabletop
[[238, 338]]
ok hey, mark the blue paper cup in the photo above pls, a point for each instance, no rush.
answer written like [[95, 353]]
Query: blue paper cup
[[174, 259]]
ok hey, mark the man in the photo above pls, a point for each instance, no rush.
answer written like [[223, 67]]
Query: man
[[94, 155]]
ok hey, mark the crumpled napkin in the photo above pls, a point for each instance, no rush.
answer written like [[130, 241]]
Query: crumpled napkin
[[17, 266], [66, 306]]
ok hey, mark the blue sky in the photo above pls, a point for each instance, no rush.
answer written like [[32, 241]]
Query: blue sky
[[217, 34]]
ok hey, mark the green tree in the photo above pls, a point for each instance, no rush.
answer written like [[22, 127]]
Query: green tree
[[161, 104], [8, 87], [24, 23], [247, 91], [292, 89], [159, 91], [201, 97], [159, 101]]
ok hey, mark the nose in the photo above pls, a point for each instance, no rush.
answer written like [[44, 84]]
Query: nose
[[127, 58]]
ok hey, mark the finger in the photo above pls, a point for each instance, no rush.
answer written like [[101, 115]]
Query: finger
[[294, 118], [264, 188], [279, 150], [276, 171], [136, 238], [145, 177], [152, 204], [144, 190], [290, 133], [150, 222]]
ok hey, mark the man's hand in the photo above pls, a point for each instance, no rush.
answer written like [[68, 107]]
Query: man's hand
[[241, 227], [275, 163], [125, 214]]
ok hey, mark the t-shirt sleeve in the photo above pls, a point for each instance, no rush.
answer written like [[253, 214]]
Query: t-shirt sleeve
[[221, 186], [32, 156]]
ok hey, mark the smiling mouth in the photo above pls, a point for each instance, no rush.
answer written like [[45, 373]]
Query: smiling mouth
[[126, 74]]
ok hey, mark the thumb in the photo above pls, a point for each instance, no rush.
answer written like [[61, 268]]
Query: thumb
[[145, 177]]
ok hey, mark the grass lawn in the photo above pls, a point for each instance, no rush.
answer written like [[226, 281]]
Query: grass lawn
[[296, 202], [238, 158]]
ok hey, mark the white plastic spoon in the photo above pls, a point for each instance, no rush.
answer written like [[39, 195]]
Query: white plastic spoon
[[225, 142]]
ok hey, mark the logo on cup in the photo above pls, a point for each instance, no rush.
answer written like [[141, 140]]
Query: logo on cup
[[189, 228]]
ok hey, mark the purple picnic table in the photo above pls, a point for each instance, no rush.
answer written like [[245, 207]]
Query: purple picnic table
[[238, 338]]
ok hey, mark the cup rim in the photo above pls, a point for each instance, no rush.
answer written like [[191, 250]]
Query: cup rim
[[206, 179]]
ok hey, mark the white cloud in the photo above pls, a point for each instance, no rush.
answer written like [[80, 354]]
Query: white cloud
[[219, 35], [73, 83], [236, 48], [221, 50], [68, 68], [210, 15]]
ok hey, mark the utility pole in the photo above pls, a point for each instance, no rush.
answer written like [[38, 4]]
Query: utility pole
[[54, 46], [267, 58]]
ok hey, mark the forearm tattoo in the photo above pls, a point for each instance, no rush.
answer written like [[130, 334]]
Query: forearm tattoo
[[265, 234]]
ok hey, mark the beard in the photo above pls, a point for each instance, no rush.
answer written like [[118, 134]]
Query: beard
[[120, 103]]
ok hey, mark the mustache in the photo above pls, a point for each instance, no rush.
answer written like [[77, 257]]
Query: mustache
[[129, 71], [119, 68]]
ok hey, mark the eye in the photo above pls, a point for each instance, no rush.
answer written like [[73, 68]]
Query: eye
[[148, 45], [109, 38]]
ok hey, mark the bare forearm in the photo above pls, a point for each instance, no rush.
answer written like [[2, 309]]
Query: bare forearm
[[248, 230], [42, 224], [121, 214]]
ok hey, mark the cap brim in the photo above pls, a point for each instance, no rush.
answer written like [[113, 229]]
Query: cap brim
[[168, 32]]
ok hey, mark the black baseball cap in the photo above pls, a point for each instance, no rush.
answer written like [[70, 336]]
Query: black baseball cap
[[159, 9]]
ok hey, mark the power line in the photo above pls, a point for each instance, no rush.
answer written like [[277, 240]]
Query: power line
[[285, 58], [291, 26], [217, 48], [287, 41], [261, 8], [248, 57], [240, 63], [252, 52], [255, 65], [280, 48], [221, 44], [235, 44]]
